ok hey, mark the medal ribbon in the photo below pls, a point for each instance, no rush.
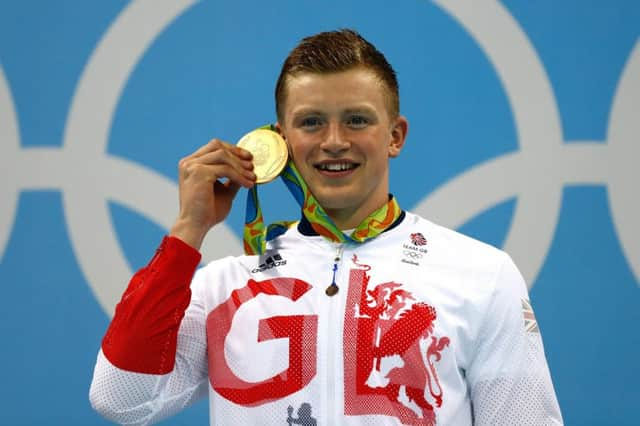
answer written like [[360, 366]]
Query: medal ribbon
[[256, 237]]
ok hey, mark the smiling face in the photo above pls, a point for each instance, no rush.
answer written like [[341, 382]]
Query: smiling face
[[341, 135]]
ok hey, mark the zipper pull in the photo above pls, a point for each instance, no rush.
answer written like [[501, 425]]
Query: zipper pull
[[333, 287]]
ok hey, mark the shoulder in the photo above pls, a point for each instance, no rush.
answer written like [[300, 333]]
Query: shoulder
[[240, 267], [450, 246], [219, 271], [483, 274]]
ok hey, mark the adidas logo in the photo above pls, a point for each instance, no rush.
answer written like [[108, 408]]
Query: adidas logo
[[271, 262]]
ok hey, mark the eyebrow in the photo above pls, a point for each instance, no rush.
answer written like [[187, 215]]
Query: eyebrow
[[315, 111], [306, 111], [360, 109]]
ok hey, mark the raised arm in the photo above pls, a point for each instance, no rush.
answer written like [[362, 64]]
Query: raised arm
[[152, 362]]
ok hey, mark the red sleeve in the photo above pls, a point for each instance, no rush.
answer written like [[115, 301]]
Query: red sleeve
[[143, 334]]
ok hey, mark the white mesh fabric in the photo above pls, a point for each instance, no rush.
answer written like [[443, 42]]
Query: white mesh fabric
[[509, 377], [120, 395], [138, 399], [516, 401]]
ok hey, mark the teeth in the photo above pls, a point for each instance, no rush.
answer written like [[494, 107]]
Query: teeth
[[336, 167]]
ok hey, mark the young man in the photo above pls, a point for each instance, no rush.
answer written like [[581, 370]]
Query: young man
[[396, 321]]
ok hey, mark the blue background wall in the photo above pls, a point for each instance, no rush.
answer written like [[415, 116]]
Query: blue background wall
[[525, 128]]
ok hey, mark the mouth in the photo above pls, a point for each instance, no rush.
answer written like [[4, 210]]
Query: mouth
[[336, 166]]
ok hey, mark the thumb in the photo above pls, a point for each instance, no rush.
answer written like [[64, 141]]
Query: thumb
[[228, 189]]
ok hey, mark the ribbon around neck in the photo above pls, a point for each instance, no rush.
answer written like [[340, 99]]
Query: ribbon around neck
[[256, 236]]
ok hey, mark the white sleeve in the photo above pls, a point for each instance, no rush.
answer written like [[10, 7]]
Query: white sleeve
[[509, 378], [139, 399]]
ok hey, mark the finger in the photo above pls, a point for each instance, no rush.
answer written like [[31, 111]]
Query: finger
[[189, 165], [217, 144], [212, 145], [243, 153], [221, 171], [230, 186], [214, 166], [225, 157]]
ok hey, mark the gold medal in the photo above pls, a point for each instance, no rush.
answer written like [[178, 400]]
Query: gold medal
[[269, 152]]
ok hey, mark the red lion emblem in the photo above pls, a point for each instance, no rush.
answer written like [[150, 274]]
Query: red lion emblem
[[418, 239], [393, 371]]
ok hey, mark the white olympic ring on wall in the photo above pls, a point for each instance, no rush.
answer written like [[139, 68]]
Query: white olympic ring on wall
[[536, 174], [83, 157]]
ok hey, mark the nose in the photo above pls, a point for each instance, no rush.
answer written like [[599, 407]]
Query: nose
[[335, 140]]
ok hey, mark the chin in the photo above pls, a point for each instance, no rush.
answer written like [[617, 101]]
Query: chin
[[336, 200]]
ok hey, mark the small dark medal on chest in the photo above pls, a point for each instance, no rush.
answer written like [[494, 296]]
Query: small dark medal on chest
[[331, 290]]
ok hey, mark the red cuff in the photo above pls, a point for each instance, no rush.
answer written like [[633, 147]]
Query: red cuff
[[143, 334]]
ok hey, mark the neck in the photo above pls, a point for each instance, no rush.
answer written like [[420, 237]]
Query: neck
[[346, 218]]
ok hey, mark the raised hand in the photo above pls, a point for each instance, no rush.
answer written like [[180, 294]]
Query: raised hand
[[209, 179]]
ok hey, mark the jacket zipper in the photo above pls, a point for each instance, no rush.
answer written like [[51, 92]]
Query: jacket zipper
[[333, 287], [331, 412]]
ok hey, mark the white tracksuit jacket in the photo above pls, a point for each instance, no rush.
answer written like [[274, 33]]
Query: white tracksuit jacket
[[429, 327]]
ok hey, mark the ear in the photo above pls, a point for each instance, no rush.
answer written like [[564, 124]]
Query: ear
[[398, 135], [279, 130]]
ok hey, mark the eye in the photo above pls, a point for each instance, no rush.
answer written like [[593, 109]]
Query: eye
[[310, 123], [357, 121]]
